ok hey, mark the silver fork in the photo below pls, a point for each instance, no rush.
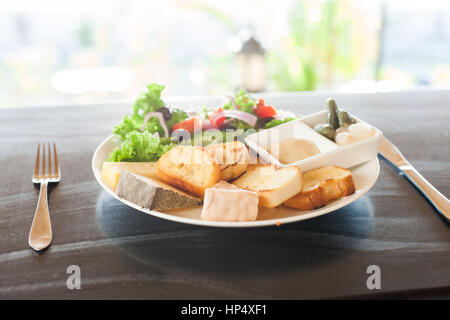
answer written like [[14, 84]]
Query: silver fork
[[41, 229]]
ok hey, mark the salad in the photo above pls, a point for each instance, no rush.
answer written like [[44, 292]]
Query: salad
[[155, 128]]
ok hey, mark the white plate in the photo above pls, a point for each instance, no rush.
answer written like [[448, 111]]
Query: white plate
[[365, 176]]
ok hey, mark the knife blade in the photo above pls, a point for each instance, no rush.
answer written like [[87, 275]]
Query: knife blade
[[390, 152]]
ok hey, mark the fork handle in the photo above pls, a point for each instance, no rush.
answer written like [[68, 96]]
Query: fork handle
[[41, 228], [437, 199]]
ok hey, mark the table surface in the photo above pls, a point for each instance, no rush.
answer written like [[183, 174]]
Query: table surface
[[123, 253]]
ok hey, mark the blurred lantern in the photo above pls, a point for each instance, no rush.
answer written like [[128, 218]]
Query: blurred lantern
[[250, 66]]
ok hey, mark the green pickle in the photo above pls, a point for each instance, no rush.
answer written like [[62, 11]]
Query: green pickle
[[326, 130], [344, 119], [332, 109]]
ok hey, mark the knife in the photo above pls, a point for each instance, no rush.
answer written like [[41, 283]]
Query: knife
[[390, 153]]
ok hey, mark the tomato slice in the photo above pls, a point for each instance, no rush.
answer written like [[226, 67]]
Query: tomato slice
[[264, 111], [216, 120], [189, 125]]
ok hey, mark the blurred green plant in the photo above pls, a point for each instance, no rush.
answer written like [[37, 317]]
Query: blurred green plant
[[321, 49], [317, 51], [85, 34]]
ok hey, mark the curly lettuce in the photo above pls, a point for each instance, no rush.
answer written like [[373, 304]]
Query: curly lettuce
[[140, 147], [149, 101], [243, 100]]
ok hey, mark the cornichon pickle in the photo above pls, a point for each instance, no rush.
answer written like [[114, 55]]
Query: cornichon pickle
[[344, 119], [326, 130], [332, 110]]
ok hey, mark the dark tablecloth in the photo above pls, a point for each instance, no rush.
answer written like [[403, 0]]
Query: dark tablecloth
[[123, 253]]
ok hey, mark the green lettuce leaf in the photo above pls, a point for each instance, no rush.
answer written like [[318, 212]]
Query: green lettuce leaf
[[178, 115], [126, 126], [275, 122], [149, 101], [141, 146], [243, 100]]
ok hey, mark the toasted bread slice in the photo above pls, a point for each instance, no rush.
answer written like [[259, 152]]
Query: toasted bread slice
[[273, 185], [232, 158], [192, 169], [321, 186], [312, 197]]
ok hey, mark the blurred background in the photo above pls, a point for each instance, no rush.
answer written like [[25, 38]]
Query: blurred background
[[77, 51]]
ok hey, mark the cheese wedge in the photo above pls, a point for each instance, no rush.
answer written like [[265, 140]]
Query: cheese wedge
[[273, 185], [111, 171], [226, 202], [153, 194]]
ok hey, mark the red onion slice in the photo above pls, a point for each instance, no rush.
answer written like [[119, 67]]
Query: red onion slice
[[160, 117], [207, 124], [233, 100], [241, 115], [283, 114]]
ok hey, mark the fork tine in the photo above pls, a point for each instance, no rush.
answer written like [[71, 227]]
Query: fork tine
[[43, 160], [56, 161], [49, 160], [36, 164]]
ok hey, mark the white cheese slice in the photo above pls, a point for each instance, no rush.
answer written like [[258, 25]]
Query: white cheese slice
[[226, 202], [153, 194]]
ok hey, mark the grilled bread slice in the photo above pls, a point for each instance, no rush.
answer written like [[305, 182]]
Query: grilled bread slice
[[232, 158], [321, 186], [273, 185], [192, 169]]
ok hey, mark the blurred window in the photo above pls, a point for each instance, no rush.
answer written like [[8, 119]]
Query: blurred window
[[79, 51]]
